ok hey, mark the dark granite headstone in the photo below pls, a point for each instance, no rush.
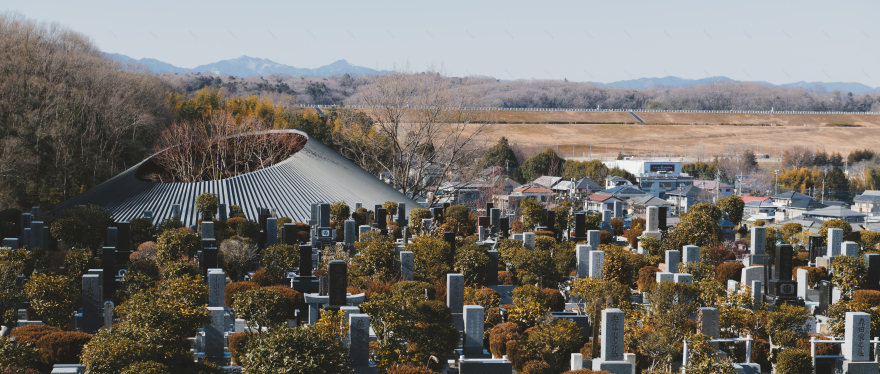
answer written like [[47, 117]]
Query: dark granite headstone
[[580, 225], [872, 280], [550, 220], [483, 221], [305, 261], [209, 260], [817, 247], [492, 268], [108, 261], [446, 205], [489, 207], [288, 234], [26, 219], [382, 220], [825, 296], [324, 214], [504, 222], [782, 270], [449, 237], [401, 214], [662, 211], [123, 237], [438, 215], [338, 274]]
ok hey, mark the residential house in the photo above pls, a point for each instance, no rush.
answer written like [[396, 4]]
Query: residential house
[[614, 181], [586, 185], [639, 205], [683, 198], [624, 192], [599, 202], [759, 207], [836, 212], [797, 208], [787, 198], [656, 177], [756, 198], [868, 202], [540, 193], [712, 187]]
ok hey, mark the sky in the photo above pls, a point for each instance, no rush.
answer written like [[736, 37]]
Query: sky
[[599, 41]]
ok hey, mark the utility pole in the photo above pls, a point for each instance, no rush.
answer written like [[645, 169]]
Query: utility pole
[[823, 185]]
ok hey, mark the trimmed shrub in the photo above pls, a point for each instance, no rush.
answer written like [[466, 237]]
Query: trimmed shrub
[[146, 367], [176, 245], [553, 300], [236, 287], [728, 271], [869, 297], [293, 300], [411, 290], [605, 237], [21, 355], [794, 361], [62, 347], [237, 344], [505, 277], [500, 335], [32, 333], [517, 227], [647, 277], [814, 274], [207, 202], [822, 349], [537, 367], [409, 369], [545, 233]]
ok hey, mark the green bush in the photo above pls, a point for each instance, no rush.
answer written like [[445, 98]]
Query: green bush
[[260, 307], [293, 300], [21, 355], [207, 202], [249, 230], [411, 291], [169, 224], [146, 367], [339, 211], [176, 245], [849, 273], [235, 211], [432, 258], [794, 361], [278, 260], [52, 298], [176, 270], [471, 261], [78, 261], [84, 226], [236, 287], [376, 258], [237, 344], [306, 350], [142, 275], [142, 230], [111, 351]]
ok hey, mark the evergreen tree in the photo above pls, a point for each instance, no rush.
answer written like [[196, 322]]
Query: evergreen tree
[[544, 163], [501, 154]]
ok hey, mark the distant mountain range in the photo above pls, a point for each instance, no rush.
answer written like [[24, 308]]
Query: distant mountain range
[[245, 66], [643, 83]]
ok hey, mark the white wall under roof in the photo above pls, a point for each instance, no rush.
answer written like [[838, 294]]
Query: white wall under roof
[[637, 167]]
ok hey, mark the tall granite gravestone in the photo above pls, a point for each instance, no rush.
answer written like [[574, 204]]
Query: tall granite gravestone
[[662, 214], [597, 261], [872, 279], [222, 213], [112, 236], [757, 292], [90, 320], [606, 221], [37, 234], [207, 230], [108, 263], [758, 246], [503, 227], [25, 223], [708, 323], [438, 214], [359, 343], [652, 220], [782, 290], [803, 282], [550, 220], [580, 226], [495, 219], [108, 315], [313, 220], [611, 354], [691, 253], [288, 234], [324, 215], [583, 259], [449, 237], [216, 287], [26, 238], [338, 274], [618, 209], [481, 234], [529, 240], [349, 234], [673, 257], [483, 221], [817, 247], [363, 229], [473, 331], [455, 298], [382, 221], [825, 295], [594, 238], [271, 231], [857, 347], [683, 278], [835, 239], [123, 238], [215, 332], [492, 268], [305, 261], [407, 266], [664, 276], [783, 265], [401, 214]]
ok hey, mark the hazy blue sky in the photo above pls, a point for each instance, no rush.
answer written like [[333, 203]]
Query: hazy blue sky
[[604, 41]]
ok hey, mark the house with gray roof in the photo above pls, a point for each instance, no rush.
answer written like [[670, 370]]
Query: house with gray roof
[[868, 202]]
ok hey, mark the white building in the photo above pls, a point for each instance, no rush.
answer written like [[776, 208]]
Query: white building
[[655, 177]]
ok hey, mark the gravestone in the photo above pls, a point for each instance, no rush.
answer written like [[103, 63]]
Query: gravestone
[[324, 215], [108, 262], [406, 266], [835, 239], [652, 219], [529, 240], [483, 221], [481, 233], [338, 273], [271, 231], [492, 268], [504, 226], [850, 249], [382, 220], [684, 278], [438, 214], [11, 243], [611, 355], [288, 234], [664, 276], [580, 225], [606, 221], [313, 220], [691, 253], [455, 292], [708, 323], [662, 213], [583, 260], [349, 233], [26, 238], [473, 330], [359, 340], [594, 238], [757, 292], [108, 314], [449, 237], [37, 234], [401, 214], [732, 285], [91, 293], [495, 218], [25, 223], [305, 261], [517, 236], [872, 279], [216, 287], [618, 209], [207, 230], [759, 236], [782, 270], [597, 261], [817, 247], [123, 237], [215, 333], [857, 336], [358, 206], [752, 273], [673, 257], [406, 234], [222, 213], [803, 283], [550, 220], [363, 229], [426, 224], [825, 295]]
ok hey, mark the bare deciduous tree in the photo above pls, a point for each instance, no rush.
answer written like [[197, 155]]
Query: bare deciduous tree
[[239, 253]]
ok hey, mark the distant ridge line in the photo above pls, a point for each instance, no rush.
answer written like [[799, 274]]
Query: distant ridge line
[[611, 110]]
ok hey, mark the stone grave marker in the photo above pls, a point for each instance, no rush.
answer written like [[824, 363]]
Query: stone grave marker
[[691, 253], [652, 219], [752, 273], [664, 276], [684, 278], [37, 234], [757, 292], [803, 282], [817, 247], [782, 270], [401, 214], [606, 221], [382, 220], [108, 261], [215, 333], [222, 213], [759, 235], [872, 280], [426, 224], [850, 249], [473, 330], [618, 209], [455, 292], [492, 268], [825, 296], [504, 226], [732, 284], [349, 233], [91, 291], [593, 238], [857, 336], [305, 261], [495, 218], [529, 240], [611, 356], [583, 259], [314, 217], [673, 257], [108, 314], [708, 323], [338, 273], [216, 287], [597, 261], [363, 229], [359, 340], [835, 239], [207, 230], [271, 231], [25, 223], [26, 238], [10, 243], [406, 266], [123, 241]]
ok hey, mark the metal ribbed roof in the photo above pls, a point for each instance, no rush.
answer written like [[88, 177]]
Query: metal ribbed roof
[[315, 173]]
